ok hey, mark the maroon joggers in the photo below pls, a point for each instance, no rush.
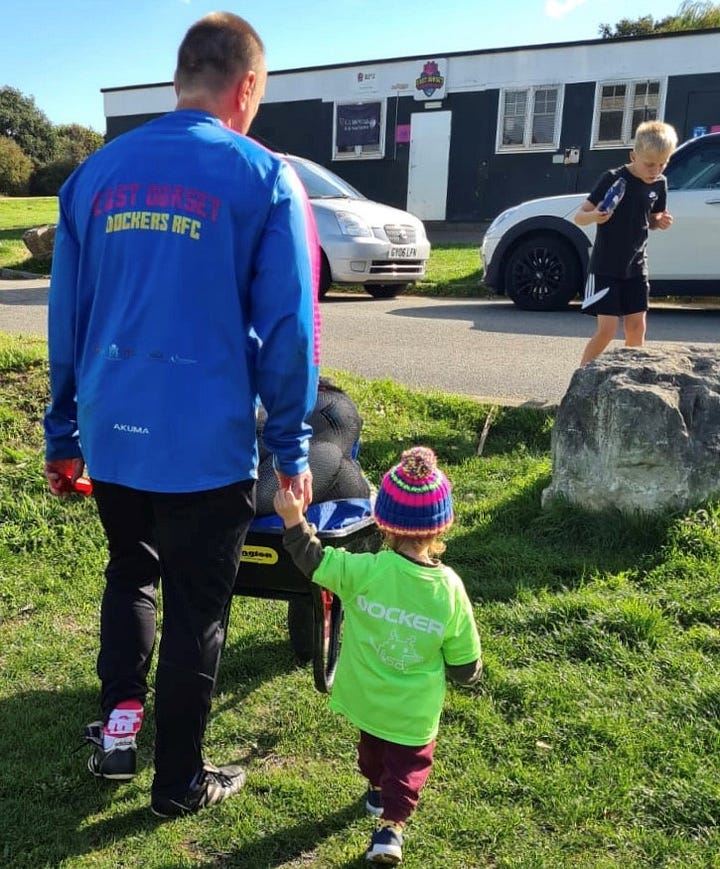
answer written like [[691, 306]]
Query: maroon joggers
[[399, 770]]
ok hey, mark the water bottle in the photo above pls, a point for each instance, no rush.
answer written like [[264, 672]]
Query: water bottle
[[615, 193]]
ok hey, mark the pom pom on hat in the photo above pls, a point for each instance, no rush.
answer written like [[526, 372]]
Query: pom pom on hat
[[414, 498]]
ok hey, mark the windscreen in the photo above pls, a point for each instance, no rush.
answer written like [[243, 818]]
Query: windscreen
[[321, 183]]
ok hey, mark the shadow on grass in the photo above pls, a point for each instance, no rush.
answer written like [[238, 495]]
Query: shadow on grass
[[454, 431], [39, 733], [44, 765], [13, 234], [525, 546], [382, 453], [267, 850], [24, 262], [39, 267], [511, 428], [469, 286], [298, 842]]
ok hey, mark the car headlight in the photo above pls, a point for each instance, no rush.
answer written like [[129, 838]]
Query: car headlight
[[351, 224], [500, 219]]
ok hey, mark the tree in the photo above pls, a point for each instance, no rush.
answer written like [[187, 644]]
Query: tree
[[76, 143], [15, 168], [692, 15], [23, 122], [48, 179]]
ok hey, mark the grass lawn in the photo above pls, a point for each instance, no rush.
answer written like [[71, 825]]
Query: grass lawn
[[591, 742], [16, 215], [453, 270]]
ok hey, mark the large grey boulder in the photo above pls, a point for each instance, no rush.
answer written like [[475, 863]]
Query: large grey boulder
[[40, 240], [639, 430]]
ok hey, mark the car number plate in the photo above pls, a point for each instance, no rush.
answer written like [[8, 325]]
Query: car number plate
[[403, 253]]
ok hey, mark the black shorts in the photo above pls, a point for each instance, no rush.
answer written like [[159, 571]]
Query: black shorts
[[623, 296]]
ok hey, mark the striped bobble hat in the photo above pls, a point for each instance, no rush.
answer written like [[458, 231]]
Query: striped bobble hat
[[414, 498]]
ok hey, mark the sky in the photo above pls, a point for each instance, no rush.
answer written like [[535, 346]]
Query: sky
[[63, 53]]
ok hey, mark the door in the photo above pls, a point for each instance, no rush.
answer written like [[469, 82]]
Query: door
[[429, 160]]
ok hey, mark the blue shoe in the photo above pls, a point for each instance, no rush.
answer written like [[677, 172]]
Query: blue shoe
[[373, 801], [386, 843]]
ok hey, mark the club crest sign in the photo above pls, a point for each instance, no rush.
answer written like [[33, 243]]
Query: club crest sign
[[431, 81]]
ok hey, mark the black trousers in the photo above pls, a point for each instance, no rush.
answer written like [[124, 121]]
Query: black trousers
[[192, 541]]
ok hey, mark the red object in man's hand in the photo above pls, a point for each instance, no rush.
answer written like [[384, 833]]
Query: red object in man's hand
[[81, 486]]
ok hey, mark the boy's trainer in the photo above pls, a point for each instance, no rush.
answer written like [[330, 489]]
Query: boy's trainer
[[211, 785], [386, 843], [118, 762]]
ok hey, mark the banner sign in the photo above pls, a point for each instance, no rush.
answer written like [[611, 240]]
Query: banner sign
[[366, 81], [358, 124]]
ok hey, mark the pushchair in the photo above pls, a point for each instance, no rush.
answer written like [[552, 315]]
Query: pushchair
[[341, 512]]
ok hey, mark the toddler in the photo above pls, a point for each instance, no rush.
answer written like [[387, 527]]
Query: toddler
[[408, 621]]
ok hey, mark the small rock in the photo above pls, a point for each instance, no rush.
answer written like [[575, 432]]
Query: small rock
[[40, 240]]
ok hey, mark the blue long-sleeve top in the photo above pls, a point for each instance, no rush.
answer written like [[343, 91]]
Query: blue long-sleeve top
[[181, 294]]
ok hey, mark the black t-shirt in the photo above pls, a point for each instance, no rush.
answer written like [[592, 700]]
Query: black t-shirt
[[620, 248]]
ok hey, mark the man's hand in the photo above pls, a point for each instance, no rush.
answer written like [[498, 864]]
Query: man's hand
[[300, 485], [59, 471]]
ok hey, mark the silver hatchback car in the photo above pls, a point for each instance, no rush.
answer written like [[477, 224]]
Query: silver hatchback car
[[362, 242]]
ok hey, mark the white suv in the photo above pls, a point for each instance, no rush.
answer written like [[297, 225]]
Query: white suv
[[362, 242], [537, 256]]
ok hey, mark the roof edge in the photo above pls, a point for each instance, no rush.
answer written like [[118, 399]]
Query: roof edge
[[544, 46]]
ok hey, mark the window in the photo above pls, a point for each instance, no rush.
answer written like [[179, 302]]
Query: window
[[529, 118], [621, 106], [359, 131], [695, 169]]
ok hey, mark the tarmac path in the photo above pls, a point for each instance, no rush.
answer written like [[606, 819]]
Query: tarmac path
[[484, 348]]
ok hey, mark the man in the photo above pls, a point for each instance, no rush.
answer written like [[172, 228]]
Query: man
[[182, 292]]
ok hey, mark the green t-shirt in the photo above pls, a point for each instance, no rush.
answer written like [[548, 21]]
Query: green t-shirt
[[403, 622]]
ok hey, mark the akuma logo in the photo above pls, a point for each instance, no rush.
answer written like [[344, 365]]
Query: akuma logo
[[131, 429], [429, 79]]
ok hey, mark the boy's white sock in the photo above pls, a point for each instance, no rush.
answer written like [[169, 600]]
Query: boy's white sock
[[124, 722]]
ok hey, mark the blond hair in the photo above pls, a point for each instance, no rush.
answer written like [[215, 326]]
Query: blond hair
[[435, 546], [655, 137]]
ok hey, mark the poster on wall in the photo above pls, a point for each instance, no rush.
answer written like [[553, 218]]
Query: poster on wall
[[431, 80], [365, 81], [358, 124]]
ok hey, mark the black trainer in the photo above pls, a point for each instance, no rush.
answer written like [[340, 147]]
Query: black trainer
[[212, 785], [118, 762]]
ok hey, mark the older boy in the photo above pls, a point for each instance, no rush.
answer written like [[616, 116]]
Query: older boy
[[617, 285]]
